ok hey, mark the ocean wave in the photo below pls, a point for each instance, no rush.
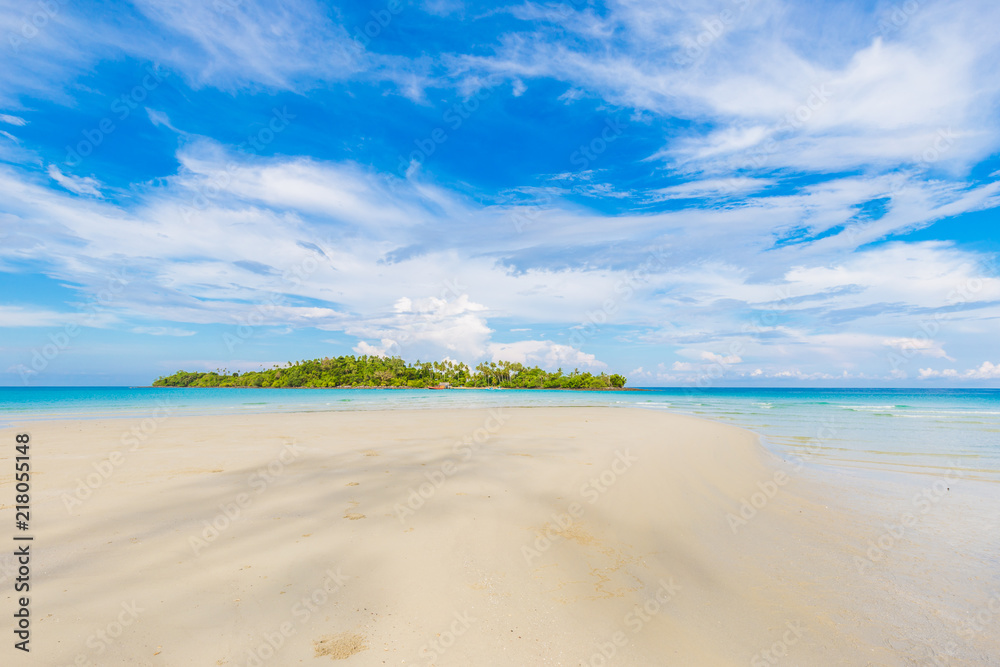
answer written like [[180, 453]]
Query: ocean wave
[[865, 408]]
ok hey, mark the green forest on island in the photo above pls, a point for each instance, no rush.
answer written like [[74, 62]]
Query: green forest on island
[[372, 371]]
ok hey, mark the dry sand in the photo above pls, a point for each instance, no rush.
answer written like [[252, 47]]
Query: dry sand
[[465, 537]]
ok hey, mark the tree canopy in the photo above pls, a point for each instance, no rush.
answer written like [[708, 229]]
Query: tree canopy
[[372, 371]]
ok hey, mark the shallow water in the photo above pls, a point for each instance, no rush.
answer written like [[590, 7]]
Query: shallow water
[[885, 430]]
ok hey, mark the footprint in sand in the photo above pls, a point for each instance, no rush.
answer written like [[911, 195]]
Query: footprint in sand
[[353, 516], [340, 647]]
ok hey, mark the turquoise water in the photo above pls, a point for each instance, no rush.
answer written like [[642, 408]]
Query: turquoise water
[[902, 430]]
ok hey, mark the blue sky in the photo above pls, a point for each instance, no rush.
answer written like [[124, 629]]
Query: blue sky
[[741, 192]]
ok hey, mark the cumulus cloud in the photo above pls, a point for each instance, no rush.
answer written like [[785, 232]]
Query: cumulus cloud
[[714, 358], [986, 371], [384, 348], [544, 353], [426, 327]]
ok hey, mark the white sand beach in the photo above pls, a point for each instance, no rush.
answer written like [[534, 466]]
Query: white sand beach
[[548, 536]]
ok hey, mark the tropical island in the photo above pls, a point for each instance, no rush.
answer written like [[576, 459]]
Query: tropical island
[[372, 371]]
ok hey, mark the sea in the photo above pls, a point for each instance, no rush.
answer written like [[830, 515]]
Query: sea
[[916, 431]]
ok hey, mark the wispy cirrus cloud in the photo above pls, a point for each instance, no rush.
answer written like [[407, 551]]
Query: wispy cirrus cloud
[[81, 185]]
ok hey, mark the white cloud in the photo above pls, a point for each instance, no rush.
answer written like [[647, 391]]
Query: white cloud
[[161, 119], [231, 43], [713, 358], [764, 98], [443, 7], [923, 346], [81, 185], [163, 331], [17, 316], [713, 187], [333, 246], [425, 328], [986, 371], [386, 347], [544, 353], [12, 120]]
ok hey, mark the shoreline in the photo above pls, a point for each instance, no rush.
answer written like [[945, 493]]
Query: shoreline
[[540, 529], [600, 389]]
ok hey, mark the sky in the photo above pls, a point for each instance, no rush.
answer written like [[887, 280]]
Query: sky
[[711, 193]]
